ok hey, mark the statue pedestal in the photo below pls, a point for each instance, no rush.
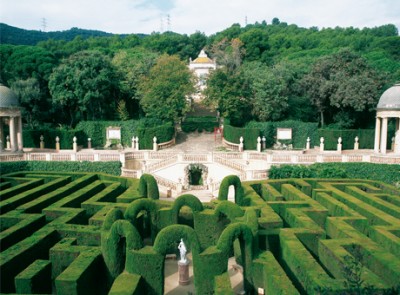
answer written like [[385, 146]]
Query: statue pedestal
[[183, 269]]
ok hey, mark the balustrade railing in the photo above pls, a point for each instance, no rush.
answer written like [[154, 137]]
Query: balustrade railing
[[161, 164]]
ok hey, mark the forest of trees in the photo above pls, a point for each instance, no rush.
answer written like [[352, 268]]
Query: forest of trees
[[268, 72]]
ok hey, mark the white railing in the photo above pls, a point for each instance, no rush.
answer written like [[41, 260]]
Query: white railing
[[165, 145], [231, 155], [161, 164], [166, 182], [230, 145], [197, 158], [129, 173], [230, 164]]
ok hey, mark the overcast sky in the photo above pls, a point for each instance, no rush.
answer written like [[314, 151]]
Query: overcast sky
[[189, 16]]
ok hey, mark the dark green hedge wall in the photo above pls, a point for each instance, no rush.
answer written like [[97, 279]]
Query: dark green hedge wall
[[206, 123], [381, 172], [112, 167], [233, 134], [144, 129], [31, 138], [366, 138], [300, 132]]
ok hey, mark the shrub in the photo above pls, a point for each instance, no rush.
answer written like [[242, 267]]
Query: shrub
[[207, 123], [224, 189], [112, 167], [365, 136], [148, 187], [31, 137]]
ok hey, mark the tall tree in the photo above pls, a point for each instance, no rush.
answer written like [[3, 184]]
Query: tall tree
[[165, 90], [342, 82], [85, 86], [31, 100]]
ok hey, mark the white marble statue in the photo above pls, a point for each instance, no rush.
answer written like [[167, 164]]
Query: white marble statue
[[182, 251]]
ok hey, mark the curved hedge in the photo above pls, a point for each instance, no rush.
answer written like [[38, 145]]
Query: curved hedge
[[231, 210], [187, 200], [113, 247], [148, 187], [231, 233], [224, 189], [168, 238]]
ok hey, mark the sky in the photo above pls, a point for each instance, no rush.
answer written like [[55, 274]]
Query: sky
[[190, 16]]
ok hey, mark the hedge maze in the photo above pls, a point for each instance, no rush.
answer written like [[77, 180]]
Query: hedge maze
[[88, 233]]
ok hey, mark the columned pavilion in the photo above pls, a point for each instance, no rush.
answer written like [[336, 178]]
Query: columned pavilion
[[388, 107], [10, 114]]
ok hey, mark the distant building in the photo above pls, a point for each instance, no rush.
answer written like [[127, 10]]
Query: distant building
[[202, 66]]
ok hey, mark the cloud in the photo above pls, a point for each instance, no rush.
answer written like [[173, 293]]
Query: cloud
[[189, 16]]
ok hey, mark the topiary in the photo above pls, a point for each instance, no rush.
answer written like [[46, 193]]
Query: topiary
[[148, 187], [224, 189]]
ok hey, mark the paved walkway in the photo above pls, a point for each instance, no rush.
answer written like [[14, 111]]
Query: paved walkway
[[197, 142]]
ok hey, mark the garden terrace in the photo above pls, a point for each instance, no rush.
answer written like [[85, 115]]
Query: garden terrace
[[92, 233]]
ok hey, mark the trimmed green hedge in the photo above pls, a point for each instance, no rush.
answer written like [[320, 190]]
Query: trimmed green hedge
[[31, 138], [145, 129], [365, 138], [381, 172], [224, 189], [233, 134], [207, 123], [111, 167], [300, 132], [148, 187]]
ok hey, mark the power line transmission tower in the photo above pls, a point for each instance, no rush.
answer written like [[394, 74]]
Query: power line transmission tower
[[44, 24], [161, 25], [168, 23]]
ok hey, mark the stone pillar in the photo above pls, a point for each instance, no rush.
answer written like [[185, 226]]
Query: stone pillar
[[74, 145], [137, 143], [308, 143], [8, 144], [377, 134], [13, 145], [41, 142], [384, 135], [339, 145], [19, 135], [321, 144], [89, 143], [155, 145], [259, 144], [57, 143], [356, 144], [183, 270], [263, 143], [241, 145], [1, 135], [133, 143]]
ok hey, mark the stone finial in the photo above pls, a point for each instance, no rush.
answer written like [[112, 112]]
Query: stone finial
[[339, 140]]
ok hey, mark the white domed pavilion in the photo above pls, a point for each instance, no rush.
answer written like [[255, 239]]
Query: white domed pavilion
[[10, 114], [388, 107]]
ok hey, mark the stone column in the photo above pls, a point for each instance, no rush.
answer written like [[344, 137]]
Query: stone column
[[339, 145], [19, 135], [384, 135], [259, 144], [356, 143], [12, 134], [57, 143], [377, 134], [155, 145], [75, 144], [321, 144], [183, 270], [41, 142], [308, 144], [1, 135], [241, 145]]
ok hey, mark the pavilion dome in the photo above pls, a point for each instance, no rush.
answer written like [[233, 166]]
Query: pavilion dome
[[390, 99], [8, 99]]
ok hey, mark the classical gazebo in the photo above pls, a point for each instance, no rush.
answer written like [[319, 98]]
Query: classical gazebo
[[388, 107], [10, 114]]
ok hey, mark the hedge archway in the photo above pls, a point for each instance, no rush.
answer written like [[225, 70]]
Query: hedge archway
[[116, 240], [148, 187], [139, 205], [186, 200], [229, 209], [224, 189], [167, 241], [225, 244]]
